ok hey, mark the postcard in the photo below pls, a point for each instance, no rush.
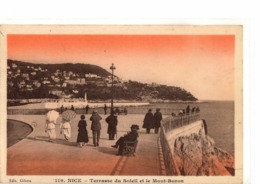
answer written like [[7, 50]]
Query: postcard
[[121, 104]]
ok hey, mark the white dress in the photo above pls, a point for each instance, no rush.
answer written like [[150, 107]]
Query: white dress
[[66, 129], [50, 129]]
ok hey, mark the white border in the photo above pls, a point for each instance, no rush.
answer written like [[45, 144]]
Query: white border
[[20, 12]]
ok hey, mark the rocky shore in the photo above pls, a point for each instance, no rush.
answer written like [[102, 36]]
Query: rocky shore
[[197, 155]]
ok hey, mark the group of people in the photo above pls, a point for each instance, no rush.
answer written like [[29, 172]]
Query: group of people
[[62, 108], [187, 111], [82, 138], [50, 127], [116, 110], [152, 121]]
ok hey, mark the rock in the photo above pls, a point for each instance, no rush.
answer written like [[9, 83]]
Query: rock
[[197, 155]]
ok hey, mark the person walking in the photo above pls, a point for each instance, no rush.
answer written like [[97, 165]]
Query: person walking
[[157, 120], [125, 111], [61, 109], [188, 109], [112, 123], [72, 108], [87, 108], [65, 128], [105, 109], [50, 129], [51, 119], [148, 122], [82, 138], [95, 127]]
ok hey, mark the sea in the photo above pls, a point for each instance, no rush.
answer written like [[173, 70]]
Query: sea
[[219, 116]]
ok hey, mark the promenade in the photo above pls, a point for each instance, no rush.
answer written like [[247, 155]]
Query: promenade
[[34, 155]]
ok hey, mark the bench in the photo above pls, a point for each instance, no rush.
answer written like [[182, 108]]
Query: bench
[[129, 148], [121, 111]]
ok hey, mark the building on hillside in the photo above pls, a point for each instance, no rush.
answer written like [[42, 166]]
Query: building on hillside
[[64, 84], [36, 83], [55, 79], [10, 83], [90, 75], [21, 84], [55, 91], [14, 65], [46, 82], [74, 82], [75, 91], [33, 73], [26, 76]]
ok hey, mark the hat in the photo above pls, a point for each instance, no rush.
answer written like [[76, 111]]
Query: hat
[[158, 109], [82, 117], [134, 126]]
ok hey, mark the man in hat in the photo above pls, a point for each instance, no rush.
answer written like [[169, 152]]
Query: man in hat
[[157, 119], [130, 136], [112, 123], [148, 122], [95, 127]]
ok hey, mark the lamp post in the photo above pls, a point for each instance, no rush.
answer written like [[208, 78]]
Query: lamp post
[[112, 96]]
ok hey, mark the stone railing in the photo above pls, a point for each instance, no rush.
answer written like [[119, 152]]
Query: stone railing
[[171, 123], [167, 125], [169, 162]]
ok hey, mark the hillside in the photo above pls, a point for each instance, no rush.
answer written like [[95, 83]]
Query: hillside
[[28, 80], [75, 68]]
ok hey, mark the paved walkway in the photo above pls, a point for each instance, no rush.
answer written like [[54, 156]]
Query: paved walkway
[[36, 156]]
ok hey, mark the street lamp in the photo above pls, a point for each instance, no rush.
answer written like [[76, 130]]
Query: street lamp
[[112, 96]]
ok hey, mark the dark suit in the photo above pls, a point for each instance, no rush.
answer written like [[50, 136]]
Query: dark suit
[[157, 123], [95, 127], [148, 122], [131, 136], [111, 129]]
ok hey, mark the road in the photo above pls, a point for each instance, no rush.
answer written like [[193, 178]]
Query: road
[[34, 155]]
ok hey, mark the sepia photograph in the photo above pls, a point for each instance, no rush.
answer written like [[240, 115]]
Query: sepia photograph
[[126, 104]]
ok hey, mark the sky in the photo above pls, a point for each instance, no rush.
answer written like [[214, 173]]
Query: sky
[[201, 64]]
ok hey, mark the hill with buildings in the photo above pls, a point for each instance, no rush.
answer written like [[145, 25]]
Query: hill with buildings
[[31, 81]]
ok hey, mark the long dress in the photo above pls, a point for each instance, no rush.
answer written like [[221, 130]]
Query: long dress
[[50, 129], [82, 132], [66, 129]]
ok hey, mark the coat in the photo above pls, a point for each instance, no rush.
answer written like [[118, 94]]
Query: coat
[[131, 136], [82, 132], [95, 125], [148, 120], [157, 119], [112, 123]]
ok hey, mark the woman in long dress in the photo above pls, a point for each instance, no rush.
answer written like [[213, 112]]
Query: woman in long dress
[[65, 129], [82, 132], [51, 118], [50, 129]]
